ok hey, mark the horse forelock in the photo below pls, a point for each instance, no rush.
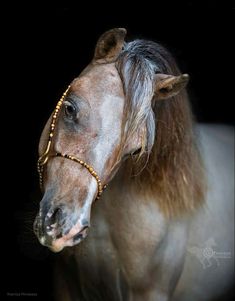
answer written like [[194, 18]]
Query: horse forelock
[[170, 161]]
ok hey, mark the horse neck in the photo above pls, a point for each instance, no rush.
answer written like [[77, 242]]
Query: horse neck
[[145, 185], [125, 185]]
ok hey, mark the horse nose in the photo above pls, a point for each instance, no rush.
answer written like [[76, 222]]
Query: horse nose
[[53, 218], [49, 224], [55, 222]]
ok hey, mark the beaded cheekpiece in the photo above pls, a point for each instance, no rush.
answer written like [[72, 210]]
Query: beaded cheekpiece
[[45, 156]]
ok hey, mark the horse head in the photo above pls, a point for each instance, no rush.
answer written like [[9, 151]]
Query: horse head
[[93, 133]]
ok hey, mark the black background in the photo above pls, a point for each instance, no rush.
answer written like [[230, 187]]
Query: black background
[[45, 49]]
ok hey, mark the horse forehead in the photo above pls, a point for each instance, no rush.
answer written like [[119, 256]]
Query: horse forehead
[[99, 80]]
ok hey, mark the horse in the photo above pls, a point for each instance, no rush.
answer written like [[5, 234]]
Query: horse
[[130, 181]]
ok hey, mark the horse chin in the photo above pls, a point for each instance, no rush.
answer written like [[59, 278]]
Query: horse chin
[[68, 240]]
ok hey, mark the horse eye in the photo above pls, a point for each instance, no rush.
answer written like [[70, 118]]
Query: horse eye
[[70, 110]]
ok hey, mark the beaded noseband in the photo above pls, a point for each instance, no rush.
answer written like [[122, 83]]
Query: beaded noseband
[[45, 156]]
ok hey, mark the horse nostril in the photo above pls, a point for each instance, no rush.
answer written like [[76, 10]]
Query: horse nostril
[[53, 217], [52, 225]]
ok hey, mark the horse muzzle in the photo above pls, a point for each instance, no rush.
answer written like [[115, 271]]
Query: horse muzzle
[[59, 228]]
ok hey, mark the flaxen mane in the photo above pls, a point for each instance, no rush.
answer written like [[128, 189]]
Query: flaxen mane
[[173, 171]]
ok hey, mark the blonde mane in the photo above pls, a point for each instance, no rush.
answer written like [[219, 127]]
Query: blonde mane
[[172, 170]]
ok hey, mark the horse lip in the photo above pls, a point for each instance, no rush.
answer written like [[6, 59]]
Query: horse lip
[[79, 235], [57, 245]]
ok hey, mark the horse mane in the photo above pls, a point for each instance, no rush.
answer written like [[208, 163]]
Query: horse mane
[[171, 166]]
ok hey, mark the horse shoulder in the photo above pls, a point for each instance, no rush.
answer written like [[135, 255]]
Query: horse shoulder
[[148, 245]]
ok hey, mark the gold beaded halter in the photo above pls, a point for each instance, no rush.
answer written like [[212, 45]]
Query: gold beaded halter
[[45, 156]]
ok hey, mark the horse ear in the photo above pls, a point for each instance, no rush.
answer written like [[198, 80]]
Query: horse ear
[[109, 45], [167, 86]]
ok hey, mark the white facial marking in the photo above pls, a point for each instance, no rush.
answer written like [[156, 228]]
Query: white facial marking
[[67, 240], [42, 240], [85, 211], [49, 214], [50, 233], [110, 130]]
